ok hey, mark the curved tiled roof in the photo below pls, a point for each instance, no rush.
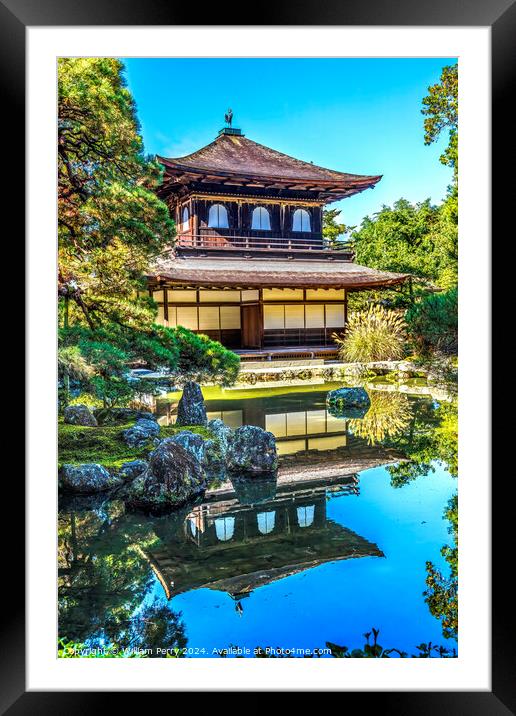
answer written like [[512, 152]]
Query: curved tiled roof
[[271, 273], [235, 155]]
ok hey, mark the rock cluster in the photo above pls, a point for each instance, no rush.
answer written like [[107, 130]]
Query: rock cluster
[[177, 467], [176, 470]]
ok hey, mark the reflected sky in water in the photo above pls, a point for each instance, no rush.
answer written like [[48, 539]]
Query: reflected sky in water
[[341, 600], [324, 554]]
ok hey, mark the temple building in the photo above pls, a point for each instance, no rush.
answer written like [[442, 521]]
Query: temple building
[[250, 266]]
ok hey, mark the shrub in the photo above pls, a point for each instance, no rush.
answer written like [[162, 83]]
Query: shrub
[[109, 384], [107, 353], [203, 360], [373, 335], [72, 369], [432, 324]]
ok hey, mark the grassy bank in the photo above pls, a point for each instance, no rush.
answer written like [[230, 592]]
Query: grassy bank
[[105, 445]]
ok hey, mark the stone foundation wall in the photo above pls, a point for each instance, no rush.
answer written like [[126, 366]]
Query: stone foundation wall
[[314, 372]]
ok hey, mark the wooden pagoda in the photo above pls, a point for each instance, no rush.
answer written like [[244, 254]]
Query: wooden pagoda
[[250, 267]]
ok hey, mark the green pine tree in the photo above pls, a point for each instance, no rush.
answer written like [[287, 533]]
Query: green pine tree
[[110, 221]]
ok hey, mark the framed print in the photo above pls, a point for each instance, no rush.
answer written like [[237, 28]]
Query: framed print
[[258, 413]]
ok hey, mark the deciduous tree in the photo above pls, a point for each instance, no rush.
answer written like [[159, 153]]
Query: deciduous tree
[[441, 110]]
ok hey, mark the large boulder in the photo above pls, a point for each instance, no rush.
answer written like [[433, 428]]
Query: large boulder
[[211, 452], [79, 415], [252, 450], [348, 402], [192, 443], [142, 431], [172, 478], [87, 479], [191, 409]]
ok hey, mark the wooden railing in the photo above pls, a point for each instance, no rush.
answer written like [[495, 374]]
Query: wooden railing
[[230, 240]]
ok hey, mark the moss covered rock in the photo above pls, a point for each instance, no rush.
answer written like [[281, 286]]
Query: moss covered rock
[[87, 479], [173, 477], [252, 450], [192, 443], [223, 435], [348, 402], [79, 415], [132, 469], [191, 409], [142, 431]]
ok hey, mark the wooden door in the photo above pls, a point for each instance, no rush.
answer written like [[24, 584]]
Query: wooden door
[[251, 326]]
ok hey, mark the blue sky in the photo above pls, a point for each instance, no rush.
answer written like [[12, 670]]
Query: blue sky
[[353, 115]]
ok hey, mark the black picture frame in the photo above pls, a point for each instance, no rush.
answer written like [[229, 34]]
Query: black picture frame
[[500, 15]]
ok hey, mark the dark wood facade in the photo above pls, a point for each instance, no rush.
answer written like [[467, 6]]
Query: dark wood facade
[[250, 267], [240, 212]]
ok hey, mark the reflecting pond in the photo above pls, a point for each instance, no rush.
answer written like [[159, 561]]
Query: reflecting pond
[[357, 531]]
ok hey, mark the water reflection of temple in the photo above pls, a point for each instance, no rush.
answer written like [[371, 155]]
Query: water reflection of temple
[[236, 541], [246, 534], [301, 423]]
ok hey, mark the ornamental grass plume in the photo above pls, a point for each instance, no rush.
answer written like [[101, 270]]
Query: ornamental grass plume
[[373, 335], [389, 415]]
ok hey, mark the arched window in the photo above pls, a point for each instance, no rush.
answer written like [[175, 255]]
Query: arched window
[[305, 515], [218, 217], [224, 528], [185, 219], [266, 522], [301, 220], [261, 219]]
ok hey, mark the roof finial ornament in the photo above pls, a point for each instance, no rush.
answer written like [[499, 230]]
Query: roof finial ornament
[[228, 117]]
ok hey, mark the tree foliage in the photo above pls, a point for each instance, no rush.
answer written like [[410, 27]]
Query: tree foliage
[[432, 323], [202, 360], [422, 238], [441, 110], [110, 221], [332, 229], [442, 595], [419, 239], [106, 352], [111, 225]]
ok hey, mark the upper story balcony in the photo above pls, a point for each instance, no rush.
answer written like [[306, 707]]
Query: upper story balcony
[[210, 241]]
